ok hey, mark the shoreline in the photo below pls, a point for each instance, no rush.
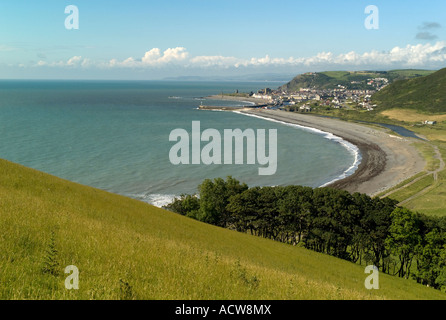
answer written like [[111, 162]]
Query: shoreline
[[386, 160], [350, 147]]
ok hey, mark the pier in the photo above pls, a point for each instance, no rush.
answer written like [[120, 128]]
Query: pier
[[227, 108]]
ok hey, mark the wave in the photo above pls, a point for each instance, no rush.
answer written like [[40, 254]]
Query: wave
[[238, 103], [249, 102], [155, 199], [354, 150]]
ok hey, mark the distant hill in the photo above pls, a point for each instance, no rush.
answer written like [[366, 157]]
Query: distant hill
[[257, 77], [356, 80], [425, 94]]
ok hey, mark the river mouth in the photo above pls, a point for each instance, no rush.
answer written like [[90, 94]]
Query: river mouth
[[397, 129], [400, 130]]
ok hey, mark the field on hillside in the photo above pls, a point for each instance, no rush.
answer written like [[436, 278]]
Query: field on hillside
[[414, 116], [423, 94], [126, 249]]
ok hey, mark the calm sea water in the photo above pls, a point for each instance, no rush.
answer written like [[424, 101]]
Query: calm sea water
[[114, 135]]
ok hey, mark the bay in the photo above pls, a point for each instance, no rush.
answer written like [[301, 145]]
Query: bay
[[114, 135]]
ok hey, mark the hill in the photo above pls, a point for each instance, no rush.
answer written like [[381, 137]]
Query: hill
[[351, 80], [423, 94], [126, 249]]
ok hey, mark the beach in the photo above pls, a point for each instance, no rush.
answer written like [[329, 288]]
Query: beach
[[387, 159]]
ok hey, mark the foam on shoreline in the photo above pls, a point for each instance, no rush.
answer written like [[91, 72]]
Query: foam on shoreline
[[354, 150], [155, 199]]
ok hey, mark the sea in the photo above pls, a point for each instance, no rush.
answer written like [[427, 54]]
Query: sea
[[114, 135]]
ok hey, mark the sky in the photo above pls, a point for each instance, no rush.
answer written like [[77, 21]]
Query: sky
[[140, 39]]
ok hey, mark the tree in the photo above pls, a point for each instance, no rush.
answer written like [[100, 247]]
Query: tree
[[375, 223], [404, 237], [243, 209], [428, 258], [295, 208], [214, 197], [268, 213], [186, 205], [441, 267], [358, 247], [331, 226]]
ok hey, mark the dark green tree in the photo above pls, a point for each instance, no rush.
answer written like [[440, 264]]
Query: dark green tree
[[214, 197], [441, 267], [375, 223], [244, 211], [186, 205], [295, 209], [428, 258], [404, 238]]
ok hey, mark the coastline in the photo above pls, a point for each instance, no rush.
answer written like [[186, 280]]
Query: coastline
[[386, 159]]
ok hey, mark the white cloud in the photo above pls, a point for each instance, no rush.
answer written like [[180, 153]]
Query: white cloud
[[421, 55], [211, 61], [153, 58], [74, 61], [71, 62]]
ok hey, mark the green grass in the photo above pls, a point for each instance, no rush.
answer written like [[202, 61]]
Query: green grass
[[433, 133], [409, 73], [126, 249], [413, 189], [331, 79], [434, 201], [401, 184], [425, 94], [428, 153]]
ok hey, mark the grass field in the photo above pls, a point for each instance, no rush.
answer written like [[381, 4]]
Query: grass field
[[126, 249], [428, 152], [433, 201], [402, 184], [414, 116], [422, 94], [413, 189]]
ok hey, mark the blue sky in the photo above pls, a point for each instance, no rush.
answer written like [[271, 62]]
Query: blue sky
[[214, 37]]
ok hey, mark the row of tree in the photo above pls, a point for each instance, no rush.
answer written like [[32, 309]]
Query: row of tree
[[354, 227]]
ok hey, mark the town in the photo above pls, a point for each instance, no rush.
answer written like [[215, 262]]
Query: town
[[340, 97]]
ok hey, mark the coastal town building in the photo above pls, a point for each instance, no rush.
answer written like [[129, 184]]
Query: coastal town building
[[339, 96]]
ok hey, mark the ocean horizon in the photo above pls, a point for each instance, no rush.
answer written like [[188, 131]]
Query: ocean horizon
[[114, 135]]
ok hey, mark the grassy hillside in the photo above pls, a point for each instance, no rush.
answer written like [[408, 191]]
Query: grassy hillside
[[126, 249], [331, 79], [424, 94]]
